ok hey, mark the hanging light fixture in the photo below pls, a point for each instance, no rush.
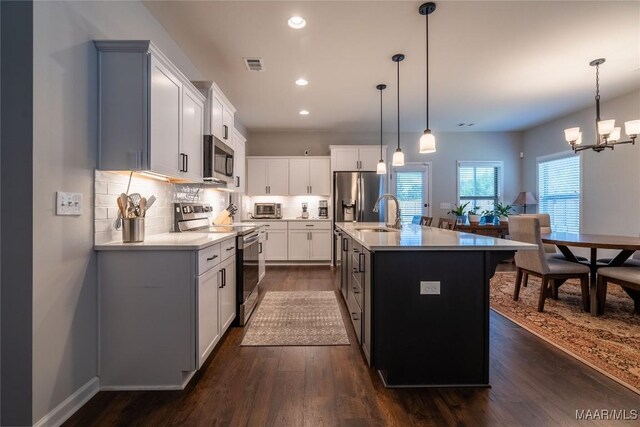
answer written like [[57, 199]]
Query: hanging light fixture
[[381, 169], [607, 135], [427, 140], [398, 156]]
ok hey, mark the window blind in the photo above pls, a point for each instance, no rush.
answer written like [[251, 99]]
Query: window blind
[[410, 193], [559, 192], [479, 183]]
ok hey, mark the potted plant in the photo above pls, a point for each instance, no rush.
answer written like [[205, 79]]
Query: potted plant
[[473, 216], [488, 217], [459, 212], [503, 211]]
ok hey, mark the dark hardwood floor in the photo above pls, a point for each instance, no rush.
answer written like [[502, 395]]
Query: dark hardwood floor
[[533, 384]]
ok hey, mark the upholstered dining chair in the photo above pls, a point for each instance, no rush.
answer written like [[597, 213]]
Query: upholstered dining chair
[[627, 277], [536, 263], [426, 220], [545, 228], [634, 261], [446, 223]]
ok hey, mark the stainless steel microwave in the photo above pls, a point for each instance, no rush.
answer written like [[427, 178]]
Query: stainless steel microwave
[[267, 210], [218, 160]]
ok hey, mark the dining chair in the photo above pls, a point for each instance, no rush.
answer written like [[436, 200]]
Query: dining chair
[[446, 223], [545, 228], [536, 263], [426, 220], [417, 219], [634, 261], [627, 277]]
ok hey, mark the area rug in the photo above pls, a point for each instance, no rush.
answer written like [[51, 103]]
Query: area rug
[[297, 318], [609, 343]]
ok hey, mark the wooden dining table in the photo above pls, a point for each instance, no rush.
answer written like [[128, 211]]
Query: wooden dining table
[[625, 244]]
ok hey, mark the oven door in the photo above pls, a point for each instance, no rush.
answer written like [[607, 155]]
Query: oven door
[[250, 265]]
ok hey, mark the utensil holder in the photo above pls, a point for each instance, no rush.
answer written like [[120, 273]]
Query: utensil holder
[[132, 230]]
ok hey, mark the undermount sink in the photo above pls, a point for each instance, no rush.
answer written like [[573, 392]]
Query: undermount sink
[[376, 229]]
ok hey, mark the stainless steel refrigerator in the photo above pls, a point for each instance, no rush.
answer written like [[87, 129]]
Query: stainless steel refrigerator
[[354, 195]]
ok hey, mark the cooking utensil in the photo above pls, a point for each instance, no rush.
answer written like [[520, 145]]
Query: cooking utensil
[[150, 203], [118, 222], [143, 206]]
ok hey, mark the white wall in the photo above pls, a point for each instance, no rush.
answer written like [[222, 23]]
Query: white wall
[[451, 147], [610, 179], [65, 135]]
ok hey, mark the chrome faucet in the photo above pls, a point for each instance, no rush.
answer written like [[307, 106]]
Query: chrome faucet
[[376, 208]]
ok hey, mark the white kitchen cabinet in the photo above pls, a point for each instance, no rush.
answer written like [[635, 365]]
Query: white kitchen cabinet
[[227, 294], [141, 107], [219, 112], [261, 254], [310, 240], [299, 245], [267, 176], [309, 176], [320, 245], [192, 135], [227, 125], [275, 242], [216, 113], [208, 317], [239, 161], [356, 158]]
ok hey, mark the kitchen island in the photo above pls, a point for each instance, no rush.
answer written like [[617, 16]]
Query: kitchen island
[[419, 301]]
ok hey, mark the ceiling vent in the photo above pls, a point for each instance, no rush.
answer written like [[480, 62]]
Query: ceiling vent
[[254, 64]]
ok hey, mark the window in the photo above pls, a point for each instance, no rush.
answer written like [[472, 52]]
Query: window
[[411, 191], [480, 184], [559, 192]]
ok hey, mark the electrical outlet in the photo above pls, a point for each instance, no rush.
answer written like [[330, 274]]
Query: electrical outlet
[[445, 205], [68, 203], [429, 288]]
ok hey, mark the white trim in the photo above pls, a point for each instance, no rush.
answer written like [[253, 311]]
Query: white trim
[[70, 405]]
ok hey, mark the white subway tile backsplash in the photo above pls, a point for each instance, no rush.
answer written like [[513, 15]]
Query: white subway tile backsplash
[[104, 200], [101, 187], [101, 213]]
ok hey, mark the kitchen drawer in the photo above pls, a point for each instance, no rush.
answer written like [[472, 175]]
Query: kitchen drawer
[[208, 258], [355, 313], [310, 225], [275, 225], [228, 248], [356, 248]]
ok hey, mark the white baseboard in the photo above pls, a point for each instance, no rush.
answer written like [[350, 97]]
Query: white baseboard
[[70, 405]]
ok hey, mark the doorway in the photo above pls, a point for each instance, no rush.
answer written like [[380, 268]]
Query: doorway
[[411, 185]]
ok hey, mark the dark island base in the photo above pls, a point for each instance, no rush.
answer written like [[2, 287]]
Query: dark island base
[[432, 340]]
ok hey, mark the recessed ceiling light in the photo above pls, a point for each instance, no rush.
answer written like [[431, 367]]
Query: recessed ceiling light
[[296, 22], [302, 82], [304, 113]]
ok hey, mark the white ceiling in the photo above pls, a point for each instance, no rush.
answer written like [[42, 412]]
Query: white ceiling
[[503, 65]]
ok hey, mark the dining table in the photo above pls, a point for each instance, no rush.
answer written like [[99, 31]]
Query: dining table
[[626, 246]]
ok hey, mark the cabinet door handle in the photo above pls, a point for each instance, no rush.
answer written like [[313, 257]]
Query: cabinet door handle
[[186, 163], [230, 248], [220, 280], [361, 263], [224, 277], [345, 247], [226, 131], [267, 236], [309, 225], [212, 258], [260, 247], [182, 162], [310, 189], [237, 181], [354, 316], [310, 236]]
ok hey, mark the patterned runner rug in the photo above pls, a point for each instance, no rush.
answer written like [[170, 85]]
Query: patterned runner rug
[[609, 343], [297, 318]]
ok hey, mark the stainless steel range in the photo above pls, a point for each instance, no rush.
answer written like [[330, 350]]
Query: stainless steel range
[[196, 217]]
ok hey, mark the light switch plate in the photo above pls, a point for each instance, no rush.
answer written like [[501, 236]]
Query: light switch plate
[[68, 203], [429, 288], [445, 205]]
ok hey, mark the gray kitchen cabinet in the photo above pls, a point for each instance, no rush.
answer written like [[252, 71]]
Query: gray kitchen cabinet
[[142, 110], [161, 313], [366, 307]]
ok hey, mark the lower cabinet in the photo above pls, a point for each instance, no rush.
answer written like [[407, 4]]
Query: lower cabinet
[[310, 240], [262, 254], [275, 241], [161, 313], [299, 245]]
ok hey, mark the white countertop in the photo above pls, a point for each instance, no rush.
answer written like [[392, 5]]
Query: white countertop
[[169, 241], [415, 237], [287, 219]]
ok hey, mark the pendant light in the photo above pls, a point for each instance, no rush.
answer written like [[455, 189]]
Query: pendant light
[[398, 156], [427, 140], [381, 169]]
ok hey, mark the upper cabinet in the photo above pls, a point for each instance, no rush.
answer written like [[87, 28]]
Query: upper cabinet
[[356, 157], [267, 175], [309, 176], [239, 161], [150, 116], [219, 113]]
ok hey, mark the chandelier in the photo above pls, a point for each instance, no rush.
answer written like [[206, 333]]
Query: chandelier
[[607, 134]]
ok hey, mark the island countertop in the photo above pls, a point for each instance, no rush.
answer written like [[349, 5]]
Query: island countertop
[[419, 238]]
